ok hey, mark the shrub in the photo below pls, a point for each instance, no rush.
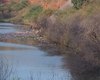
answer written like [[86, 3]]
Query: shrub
[[78, 3], [34, 12], [18, 6]]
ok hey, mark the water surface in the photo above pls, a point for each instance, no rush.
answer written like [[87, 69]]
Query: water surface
[[7, 28]]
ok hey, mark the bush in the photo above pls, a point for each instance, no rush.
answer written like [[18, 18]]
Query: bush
[[33, 12], [78, 3], [18, 6]]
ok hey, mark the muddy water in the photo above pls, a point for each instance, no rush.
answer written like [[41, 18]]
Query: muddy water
[[28, 62]]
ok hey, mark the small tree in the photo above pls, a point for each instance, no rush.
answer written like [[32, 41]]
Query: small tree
[[78, 3]]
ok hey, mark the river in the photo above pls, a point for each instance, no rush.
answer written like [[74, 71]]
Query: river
[[28, 62]]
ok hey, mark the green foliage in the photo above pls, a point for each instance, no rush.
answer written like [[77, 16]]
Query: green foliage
[[34, 11], [78, 3], [22, 4], [18, 6]]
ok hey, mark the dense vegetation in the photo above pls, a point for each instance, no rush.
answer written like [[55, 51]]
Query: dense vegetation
[[79, 3], [77, 28]]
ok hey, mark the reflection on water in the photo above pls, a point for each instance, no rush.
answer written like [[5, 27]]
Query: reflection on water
[[5, 70], [34, 61]]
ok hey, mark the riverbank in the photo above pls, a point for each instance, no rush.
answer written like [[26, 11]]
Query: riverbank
[[20, 36]]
